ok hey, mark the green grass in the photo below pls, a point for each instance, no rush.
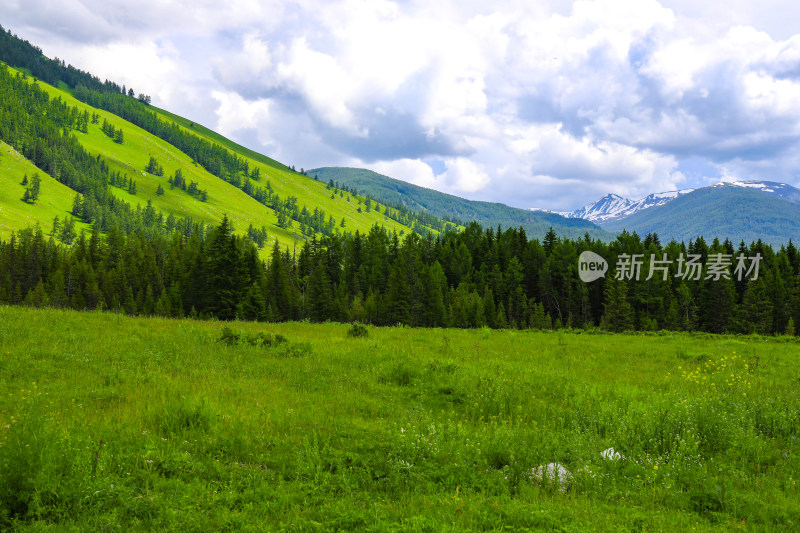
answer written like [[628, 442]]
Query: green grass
[[109, 422], [55, 199]]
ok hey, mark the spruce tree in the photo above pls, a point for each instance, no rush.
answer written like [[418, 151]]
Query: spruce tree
[[320, 297], [278, 291], [757, 307], [34, 188], [618, 312], [253, 305], [221, 268]]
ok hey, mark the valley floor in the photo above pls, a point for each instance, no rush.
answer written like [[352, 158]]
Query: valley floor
[[111, 422]]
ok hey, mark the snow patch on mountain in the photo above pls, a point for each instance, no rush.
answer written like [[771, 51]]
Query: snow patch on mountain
[[781, 190], [613, 206]]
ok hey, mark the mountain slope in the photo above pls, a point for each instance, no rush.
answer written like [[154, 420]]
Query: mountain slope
[[780, 190], [613, 207], [414, 197], [213, 136], [724, 211], [130, 158], [55, 199]]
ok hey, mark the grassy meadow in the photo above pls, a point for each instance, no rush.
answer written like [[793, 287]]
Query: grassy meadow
[[111, 422]]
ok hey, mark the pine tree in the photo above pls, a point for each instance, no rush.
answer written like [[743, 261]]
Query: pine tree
[[489, 307], [319, 293], [550, 240], [221, 268], [618, 315], [717, 299], [67, 231], [56, 226], [397, 297], [77, 206], [35, 187], [253, 305], [758, 307], [278, 290], [539, 318], [38, 297], [435, 313], [502, 320]]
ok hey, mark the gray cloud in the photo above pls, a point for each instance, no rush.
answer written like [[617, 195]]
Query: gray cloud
[[391, 135]]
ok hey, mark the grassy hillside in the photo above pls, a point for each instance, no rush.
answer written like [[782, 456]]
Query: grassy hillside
[[211, 135], [287, 182], [132, 157], [108, 422], [55, 200], [415, 198], [737, 213]]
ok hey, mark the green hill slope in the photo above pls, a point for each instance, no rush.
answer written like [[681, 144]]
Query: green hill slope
[[438, 204], [248, 187], [133, 156], [310, 192], [130, 158], [55, 199], [736, 213], [213, 136]]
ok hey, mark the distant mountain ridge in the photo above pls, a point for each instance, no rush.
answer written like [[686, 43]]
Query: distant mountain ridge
[[740, 210], [415, 198], [781, 190], [725, 211], [613, 207]]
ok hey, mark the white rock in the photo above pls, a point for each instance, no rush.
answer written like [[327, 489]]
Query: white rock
[[552, 473], [611, 455]]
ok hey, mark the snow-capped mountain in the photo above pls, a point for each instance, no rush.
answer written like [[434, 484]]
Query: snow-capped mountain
[[781, 190], [612, 207], [744, 211]]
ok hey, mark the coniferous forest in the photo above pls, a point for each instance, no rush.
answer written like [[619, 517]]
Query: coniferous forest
[[495, 278]]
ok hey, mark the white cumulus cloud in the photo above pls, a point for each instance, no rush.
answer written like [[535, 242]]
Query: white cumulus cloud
[[545, 103]]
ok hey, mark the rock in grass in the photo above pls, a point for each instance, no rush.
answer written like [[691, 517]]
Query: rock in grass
[[552, 474], [611, 455]]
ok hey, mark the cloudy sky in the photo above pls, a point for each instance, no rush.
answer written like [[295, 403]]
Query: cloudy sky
[[532, 103]]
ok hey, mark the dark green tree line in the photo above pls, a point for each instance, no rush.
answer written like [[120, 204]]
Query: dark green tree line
[[495, 278]]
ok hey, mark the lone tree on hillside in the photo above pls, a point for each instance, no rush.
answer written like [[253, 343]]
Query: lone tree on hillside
[[32, 191]]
